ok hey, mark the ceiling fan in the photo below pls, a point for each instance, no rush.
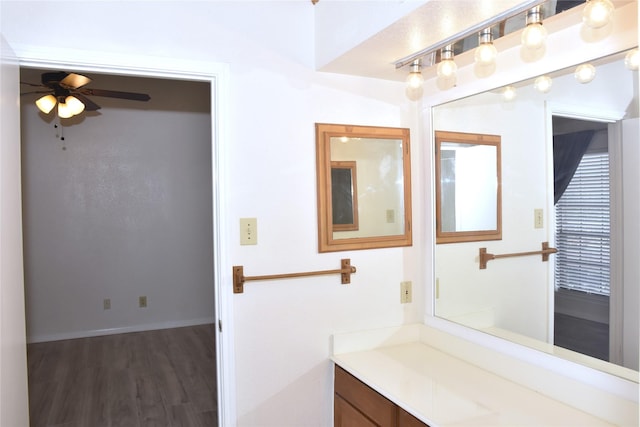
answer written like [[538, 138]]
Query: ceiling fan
[[68, 91]]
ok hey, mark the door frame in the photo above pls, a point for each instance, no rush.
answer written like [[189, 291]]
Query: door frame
[[217, 75], [616, 297]]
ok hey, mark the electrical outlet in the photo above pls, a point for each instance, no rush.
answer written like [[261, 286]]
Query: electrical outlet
[[106, 304], [248, 231], [405, 292], [142, 301]]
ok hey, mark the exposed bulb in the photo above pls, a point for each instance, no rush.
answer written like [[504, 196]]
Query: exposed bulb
[[543, 84], [447, 68], [534, 36], [415, 80], [632, 59], [597, 13], [509, 93], [486, 54], [585, 73]]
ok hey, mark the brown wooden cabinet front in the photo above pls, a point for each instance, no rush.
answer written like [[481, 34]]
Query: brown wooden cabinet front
[[358, 405]]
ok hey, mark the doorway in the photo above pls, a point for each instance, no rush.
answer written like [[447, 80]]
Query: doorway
[[582, 206], [65, 145]]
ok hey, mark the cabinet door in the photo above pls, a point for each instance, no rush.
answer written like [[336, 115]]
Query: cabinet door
[[405, 419], [380, 410], [345, 415]]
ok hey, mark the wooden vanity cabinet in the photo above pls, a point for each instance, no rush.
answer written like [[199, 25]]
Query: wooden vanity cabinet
[[358, 405]]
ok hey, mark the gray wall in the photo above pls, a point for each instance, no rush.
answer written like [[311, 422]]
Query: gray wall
[[118, 209]]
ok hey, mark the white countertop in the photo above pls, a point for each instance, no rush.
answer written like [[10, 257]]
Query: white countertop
[[442, 390]]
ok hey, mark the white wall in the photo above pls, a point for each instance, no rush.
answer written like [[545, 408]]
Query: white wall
[[282, 328], [511, 293], [120, 208]]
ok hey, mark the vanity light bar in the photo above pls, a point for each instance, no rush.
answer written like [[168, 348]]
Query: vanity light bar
[[509, 13]]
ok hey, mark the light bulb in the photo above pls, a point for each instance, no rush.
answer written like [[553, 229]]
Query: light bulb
[[509, 93], [543, 84], [64, 112], [534, 36], [447, 68], [75, 105], [485, 53], [415, 79], [46, 103], [597, 13], [632, 59], [585, 73]]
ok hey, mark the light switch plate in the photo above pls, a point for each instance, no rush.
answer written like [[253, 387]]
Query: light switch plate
[[248, 231], [538, 218], [405, 292]]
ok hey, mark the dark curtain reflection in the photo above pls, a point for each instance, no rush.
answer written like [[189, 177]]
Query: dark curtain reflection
[[568, 150]]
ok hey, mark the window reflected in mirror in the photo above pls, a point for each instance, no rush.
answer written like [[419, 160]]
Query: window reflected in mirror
[[468, 187]]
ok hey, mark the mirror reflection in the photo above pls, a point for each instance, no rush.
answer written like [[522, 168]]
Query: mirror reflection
[[468, 194], [364, 185], [582, 304]]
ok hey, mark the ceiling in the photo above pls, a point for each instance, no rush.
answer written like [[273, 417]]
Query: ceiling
[[427, 25], [424, 26]]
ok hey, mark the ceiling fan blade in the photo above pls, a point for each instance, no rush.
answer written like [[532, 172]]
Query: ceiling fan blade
[[74, 81], [116, 94], [36, 91], [89, 105], [32, 84]]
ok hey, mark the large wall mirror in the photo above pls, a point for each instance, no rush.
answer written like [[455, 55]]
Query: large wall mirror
[[364, 187], [468, 193], [556, 306]]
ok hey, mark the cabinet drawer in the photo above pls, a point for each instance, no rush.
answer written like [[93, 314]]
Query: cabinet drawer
[[379, 409]]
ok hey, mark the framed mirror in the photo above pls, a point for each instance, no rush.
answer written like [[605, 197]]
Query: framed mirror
[[468, 187], [364, 187], [547, 305]]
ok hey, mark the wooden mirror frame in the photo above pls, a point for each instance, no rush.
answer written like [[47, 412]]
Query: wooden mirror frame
[[326, 240], [473, 235]]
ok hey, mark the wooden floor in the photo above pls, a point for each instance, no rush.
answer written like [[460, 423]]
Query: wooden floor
[[581, 335], [154, 378]]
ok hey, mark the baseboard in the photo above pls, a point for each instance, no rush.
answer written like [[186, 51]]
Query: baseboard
[[120, 330]]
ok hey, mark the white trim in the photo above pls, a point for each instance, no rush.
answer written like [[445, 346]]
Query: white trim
[[616, 245], [218, 76], [121, 330]]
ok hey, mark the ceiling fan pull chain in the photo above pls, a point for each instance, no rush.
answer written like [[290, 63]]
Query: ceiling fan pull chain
[[60, 134]]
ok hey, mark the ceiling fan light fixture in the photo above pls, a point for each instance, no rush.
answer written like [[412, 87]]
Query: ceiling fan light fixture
[[46, 103], [74, 104], [64, 112]]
